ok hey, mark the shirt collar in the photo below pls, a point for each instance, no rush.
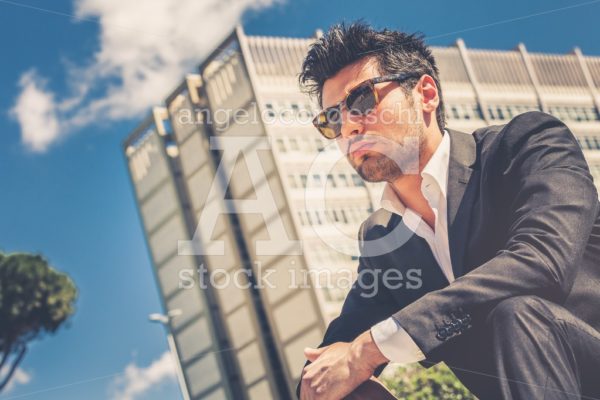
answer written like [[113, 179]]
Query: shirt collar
[[435, 170]]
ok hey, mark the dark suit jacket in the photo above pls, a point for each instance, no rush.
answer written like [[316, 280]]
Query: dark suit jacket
[[523, 219]]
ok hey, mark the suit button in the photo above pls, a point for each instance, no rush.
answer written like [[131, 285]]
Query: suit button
[[465, 321], [442, 334], [456, 326]]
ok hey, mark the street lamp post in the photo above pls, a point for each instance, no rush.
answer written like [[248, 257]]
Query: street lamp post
[[164, 320]]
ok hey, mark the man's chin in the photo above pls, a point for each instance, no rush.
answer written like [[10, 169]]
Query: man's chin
[[368, 173]]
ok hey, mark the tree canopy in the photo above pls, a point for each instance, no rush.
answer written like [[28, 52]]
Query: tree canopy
[[35, 300]]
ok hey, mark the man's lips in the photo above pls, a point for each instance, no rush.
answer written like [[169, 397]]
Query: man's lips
[[359, 147]]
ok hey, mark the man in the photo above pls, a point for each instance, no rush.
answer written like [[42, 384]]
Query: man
[[503, 226]]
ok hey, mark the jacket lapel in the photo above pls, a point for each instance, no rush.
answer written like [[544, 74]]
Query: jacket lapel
[[463, 154]]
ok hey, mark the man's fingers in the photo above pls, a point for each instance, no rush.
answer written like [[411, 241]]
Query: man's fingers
[[312, 382], [308, 384], [306, 392], [312, 354]]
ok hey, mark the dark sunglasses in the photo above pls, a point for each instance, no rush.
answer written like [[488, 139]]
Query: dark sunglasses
[[360, 100]]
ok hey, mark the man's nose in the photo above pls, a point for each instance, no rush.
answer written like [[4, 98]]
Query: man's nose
[[352, 125]]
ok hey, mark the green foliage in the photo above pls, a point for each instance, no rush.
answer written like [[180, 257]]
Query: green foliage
[[417, 383], [35, 300]]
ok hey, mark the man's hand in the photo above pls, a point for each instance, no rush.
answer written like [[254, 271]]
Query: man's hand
[[336, 370]]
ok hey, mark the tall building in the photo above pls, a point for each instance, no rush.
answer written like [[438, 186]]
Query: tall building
[[251, 218]]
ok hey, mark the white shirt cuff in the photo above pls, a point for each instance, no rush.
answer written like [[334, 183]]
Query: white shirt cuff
[[395, 343]]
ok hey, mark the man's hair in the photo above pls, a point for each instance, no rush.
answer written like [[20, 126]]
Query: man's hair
[[394, 51]]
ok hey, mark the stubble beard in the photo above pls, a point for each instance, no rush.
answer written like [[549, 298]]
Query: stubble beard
[[378, 167]]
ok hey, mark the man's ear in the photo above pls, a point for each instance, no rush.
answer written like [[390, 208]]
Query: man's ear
[[428, 91]]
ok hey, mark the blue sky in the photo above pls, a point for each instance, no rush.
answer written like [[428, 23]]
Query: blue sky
[[64, 187]]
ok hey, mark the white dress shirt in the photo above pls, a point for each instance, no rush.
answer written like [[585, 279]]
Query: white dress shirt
[[393, 341]]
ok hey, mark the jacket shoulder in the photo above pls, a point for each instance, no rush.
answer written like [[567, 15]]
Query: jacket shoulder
[[378, 220], [522, 135]]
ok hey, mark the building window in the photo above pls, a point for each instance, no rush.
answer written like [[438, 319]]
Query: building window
[[344, 217], [294, 144], [330, 180], [589, 142], [281, 145], [270, 111], [285, 112], [304, 113], [503, 112], [455, 114], [465, 111], [318, 217], [317, 180], [295, 108], [308, 109], [343, 180], [292, 181], [573, 113], [301, 217], [308, 218], [303, 180], [319, 144], [335, 215], [303, 144], [497, 112], [357, 180]]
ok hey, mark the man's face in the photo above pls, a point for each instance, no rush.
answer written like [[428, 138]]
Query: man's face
[[381, 144]]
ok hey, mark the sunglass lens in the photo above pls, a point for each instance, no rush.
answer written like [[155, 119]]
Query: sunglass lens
[[328, 132], [329, 123], [361, 100]]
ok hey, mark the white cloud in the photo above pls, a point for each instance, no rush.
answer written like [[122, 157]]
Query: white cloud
[[20, 377], [145, 49], [136, 380], [35, 109]]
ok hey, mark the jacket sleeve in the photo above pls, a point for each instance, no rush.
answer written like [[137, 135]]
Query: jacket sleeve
[[552, 205], [363, 308]]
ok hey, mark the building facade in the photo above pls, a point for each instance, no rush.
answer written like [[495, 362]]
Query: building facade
[[251, 218]]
